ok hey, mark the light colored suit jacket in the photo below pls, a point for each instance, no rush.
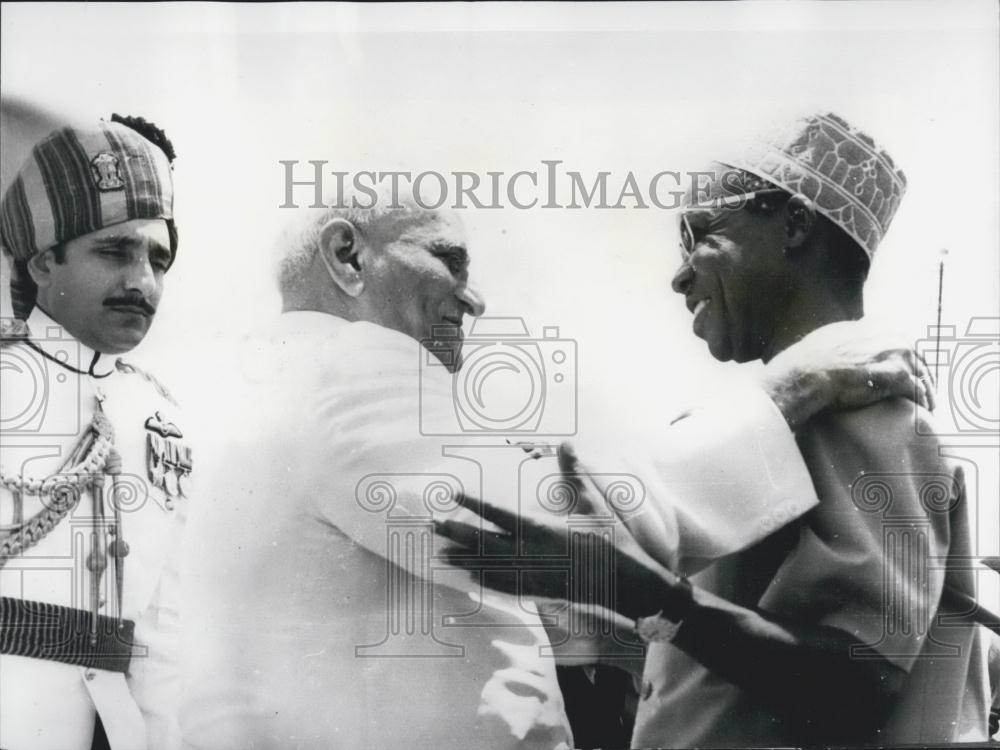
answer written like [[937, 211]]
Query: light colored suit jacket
[[320, 614]]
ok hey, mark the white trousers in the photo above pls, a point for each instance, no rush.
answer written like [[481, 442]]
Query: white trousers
[[46, 705]]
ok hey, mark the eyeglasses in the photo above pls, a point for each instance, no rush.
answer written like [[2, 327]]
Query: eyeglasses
[[734, 202]]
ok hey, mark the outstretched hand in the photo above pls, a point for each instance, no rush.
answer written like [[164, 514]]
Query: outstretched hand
[[543, 550]]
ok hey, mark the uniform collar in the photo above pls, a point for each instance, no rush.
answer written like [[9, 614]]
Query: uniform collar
[[54, 343]]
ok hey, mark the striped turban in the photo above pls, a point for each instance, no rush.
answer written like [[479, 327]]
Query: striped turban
[[77, 181]]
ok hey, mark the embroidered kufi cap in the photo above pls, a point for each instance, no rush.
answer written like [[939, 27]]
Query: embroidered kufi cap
[[850, 179]]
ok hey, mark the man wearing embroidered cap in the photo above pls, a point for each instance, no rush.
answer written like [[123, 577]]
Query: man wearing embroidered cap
[[827, 631], [95, 468]]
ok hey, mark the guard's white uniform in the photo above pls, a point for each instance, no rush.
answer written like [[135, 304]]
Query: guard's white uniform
[[45, 408]]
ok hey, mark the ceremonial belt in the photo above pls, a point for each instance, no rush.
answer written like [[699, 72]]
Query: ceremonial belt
[[40, 630]]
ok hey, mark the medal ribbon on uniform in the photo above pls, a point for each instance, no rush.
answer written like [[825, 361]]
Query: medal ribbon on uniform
[[168, 462]]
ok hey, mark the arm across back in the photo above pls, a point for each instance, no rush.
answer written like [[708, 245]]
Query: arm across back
[[716, 481]]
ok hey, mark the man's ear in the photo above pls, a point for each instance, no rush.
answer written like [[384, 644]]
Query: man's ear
[[800, 223], [39, 268], [339, 249]]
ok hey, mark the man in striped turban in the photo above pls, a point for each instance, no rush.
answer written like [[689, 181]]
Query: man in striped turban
[[94, 461], [81, 193]]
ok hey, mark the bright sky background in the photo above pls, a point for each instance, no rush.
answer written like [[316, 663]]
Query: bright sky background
[[638, 87]]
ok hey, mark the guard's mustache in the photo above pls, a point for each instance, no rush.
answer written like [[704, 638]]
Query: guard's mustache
[[131, 300]]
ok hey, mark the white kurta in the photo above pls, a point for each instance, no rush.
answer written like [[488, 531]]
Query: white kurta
[[319, 616], [44, 409]]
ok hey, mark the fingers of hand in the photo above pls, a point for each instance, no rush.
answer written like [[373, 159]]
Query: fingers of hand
[[508, 584], [896, 378], [931, 393], [568, 460], [919, 391], [502, 518], [893, 345], [899, 381], [535, 450], [467, 537], [462, 533], [927, 378], [922, 369], [569, 467], [573, 472]]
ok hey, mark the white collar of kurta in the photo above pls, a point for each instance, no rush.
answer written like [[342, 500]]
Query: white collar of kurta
[[328, 341], [57, 345], [308, 320], [311, 321]]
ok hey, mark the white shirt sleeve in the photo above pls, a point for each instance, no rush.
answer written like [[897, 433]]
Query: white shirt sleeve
[[718, 479]]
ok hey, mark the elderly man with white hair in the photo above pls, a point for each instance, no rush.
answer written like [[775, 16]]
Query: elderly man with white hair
[[320, 614]]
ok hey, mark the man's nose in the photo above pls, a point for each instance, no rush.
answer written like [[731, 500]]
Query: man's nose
[[472, 299], [683, 278], [140, 278]]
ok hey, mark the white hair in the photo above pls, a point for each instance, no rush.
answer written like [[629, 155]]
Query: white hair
[[376, 225]]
